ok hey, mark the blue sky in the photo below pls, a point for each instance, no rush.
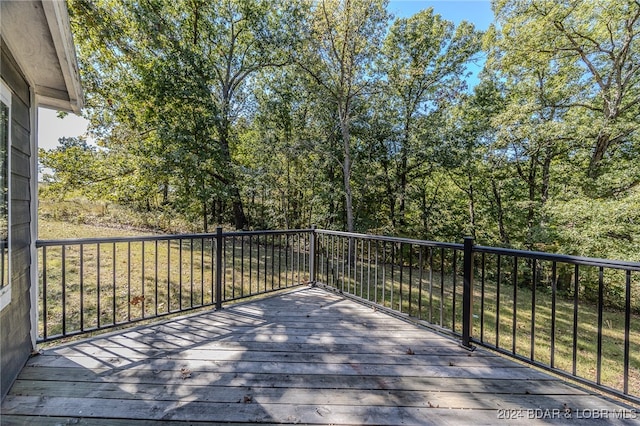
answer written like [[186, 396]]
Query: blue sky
[[476, 11], [51, 128]]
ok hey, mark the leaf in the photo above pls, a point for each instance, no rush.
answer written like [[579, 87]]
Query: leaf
[[135, 301], [185, 373]]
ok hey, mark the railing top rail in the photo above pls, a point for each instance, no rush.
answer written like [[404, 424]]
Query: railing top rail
[[563, 258], [437, 244], [164, 237]]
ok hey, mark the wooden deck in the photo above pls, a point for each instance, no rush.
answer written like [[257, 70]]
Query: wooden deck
[[302, 357]]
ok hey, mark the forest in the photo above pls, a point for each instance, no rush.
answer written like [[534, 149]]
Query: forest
[[269, 114]]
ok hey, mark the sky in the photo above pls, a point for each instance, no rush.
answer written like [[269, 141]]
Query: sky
[[51, 128]]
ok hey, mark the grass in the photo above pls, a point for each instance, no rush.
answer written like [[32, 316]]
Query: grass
[[50, 229], [114, 283], [80, 211]]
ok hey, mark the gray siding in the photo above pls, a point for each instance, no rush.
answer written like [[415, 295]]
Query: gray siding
[[15, 324]]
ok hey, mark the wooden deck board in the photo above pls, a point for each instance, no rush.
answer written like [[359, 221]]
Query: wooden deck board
[[306, 356]]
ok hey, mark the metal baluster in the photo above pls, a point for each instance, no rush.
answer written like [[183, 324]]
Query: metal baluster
[[454, 270], [515, 305], [233, 267], [168, 276], [81, 287], [627, 330], [482, 295], [143, 303], [375, 281], [113, 283], [533, 309], [431, 285], [498, 282], [155, 275], [98, 313], [64, 290], [191, 272], [44, 292], [368, 269], [128, 280], [599, 344], [273, 258], [554, 291], [180, 273], [576, 287]]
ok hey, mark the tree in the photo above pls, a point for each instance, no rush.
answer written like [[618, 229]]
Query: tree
[[183, 67], [596, 44], [471, 160], [424, 68], [344, 40]]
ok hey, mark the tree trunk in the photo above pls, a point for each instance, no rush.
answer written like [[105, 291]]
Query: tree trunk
[[239, 218], [165, 193], [546, 174], [425, 214], [532, 207], [472, 206], [346, 168], [403, 173], [501, 229], [602, 145], [204, 217], [390, 195]]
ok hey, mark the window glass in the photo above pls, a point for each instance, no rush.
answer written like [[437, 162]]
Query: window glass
[[5, 128]]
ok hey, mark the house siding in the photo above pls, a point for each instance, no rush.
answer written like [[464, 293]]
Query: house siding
[[15, 323]]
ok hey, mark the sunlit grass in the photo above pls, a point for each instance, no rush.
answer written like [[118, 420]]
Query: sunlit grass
[[115, 283]]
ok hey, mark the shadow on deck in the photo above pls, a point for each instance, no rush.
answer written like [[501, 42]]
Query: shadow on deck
[[303, 357]]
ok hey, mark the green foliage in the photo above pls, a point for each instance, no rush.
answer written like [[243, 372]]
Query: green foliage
[[167, 83], [424, 65], [276, 114]]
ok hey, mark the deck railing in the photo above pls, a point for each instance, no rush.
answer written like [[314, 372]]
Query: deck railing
[[420, 279], [575, 316], [99, 283]]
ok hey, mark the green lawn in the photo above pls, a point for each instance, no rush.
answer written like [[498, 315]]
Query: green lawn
[[114, 283]]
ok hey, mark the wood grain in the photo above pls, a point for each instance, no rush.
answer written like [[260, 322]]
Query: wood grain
[[302, 357]]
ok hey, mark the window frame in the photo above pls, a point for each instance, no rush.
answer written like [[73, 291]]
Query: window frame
[[5, 291]]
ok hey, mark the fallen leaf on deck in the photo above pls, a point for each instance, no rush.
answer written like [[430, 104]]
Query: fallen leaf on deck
[[185, 372]]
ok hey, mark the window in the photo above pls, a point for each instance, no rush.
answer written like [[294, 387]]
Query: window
[[5, 148]]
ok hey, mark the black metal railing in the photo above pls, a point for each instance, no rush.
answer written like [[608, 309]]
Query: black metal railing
[[574, 316], [98, 283], [421, 279]]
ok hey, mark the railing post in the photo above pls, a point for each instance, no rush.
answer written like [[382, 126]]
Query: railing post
[[312, 256], [467, 295], [219, 268]]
